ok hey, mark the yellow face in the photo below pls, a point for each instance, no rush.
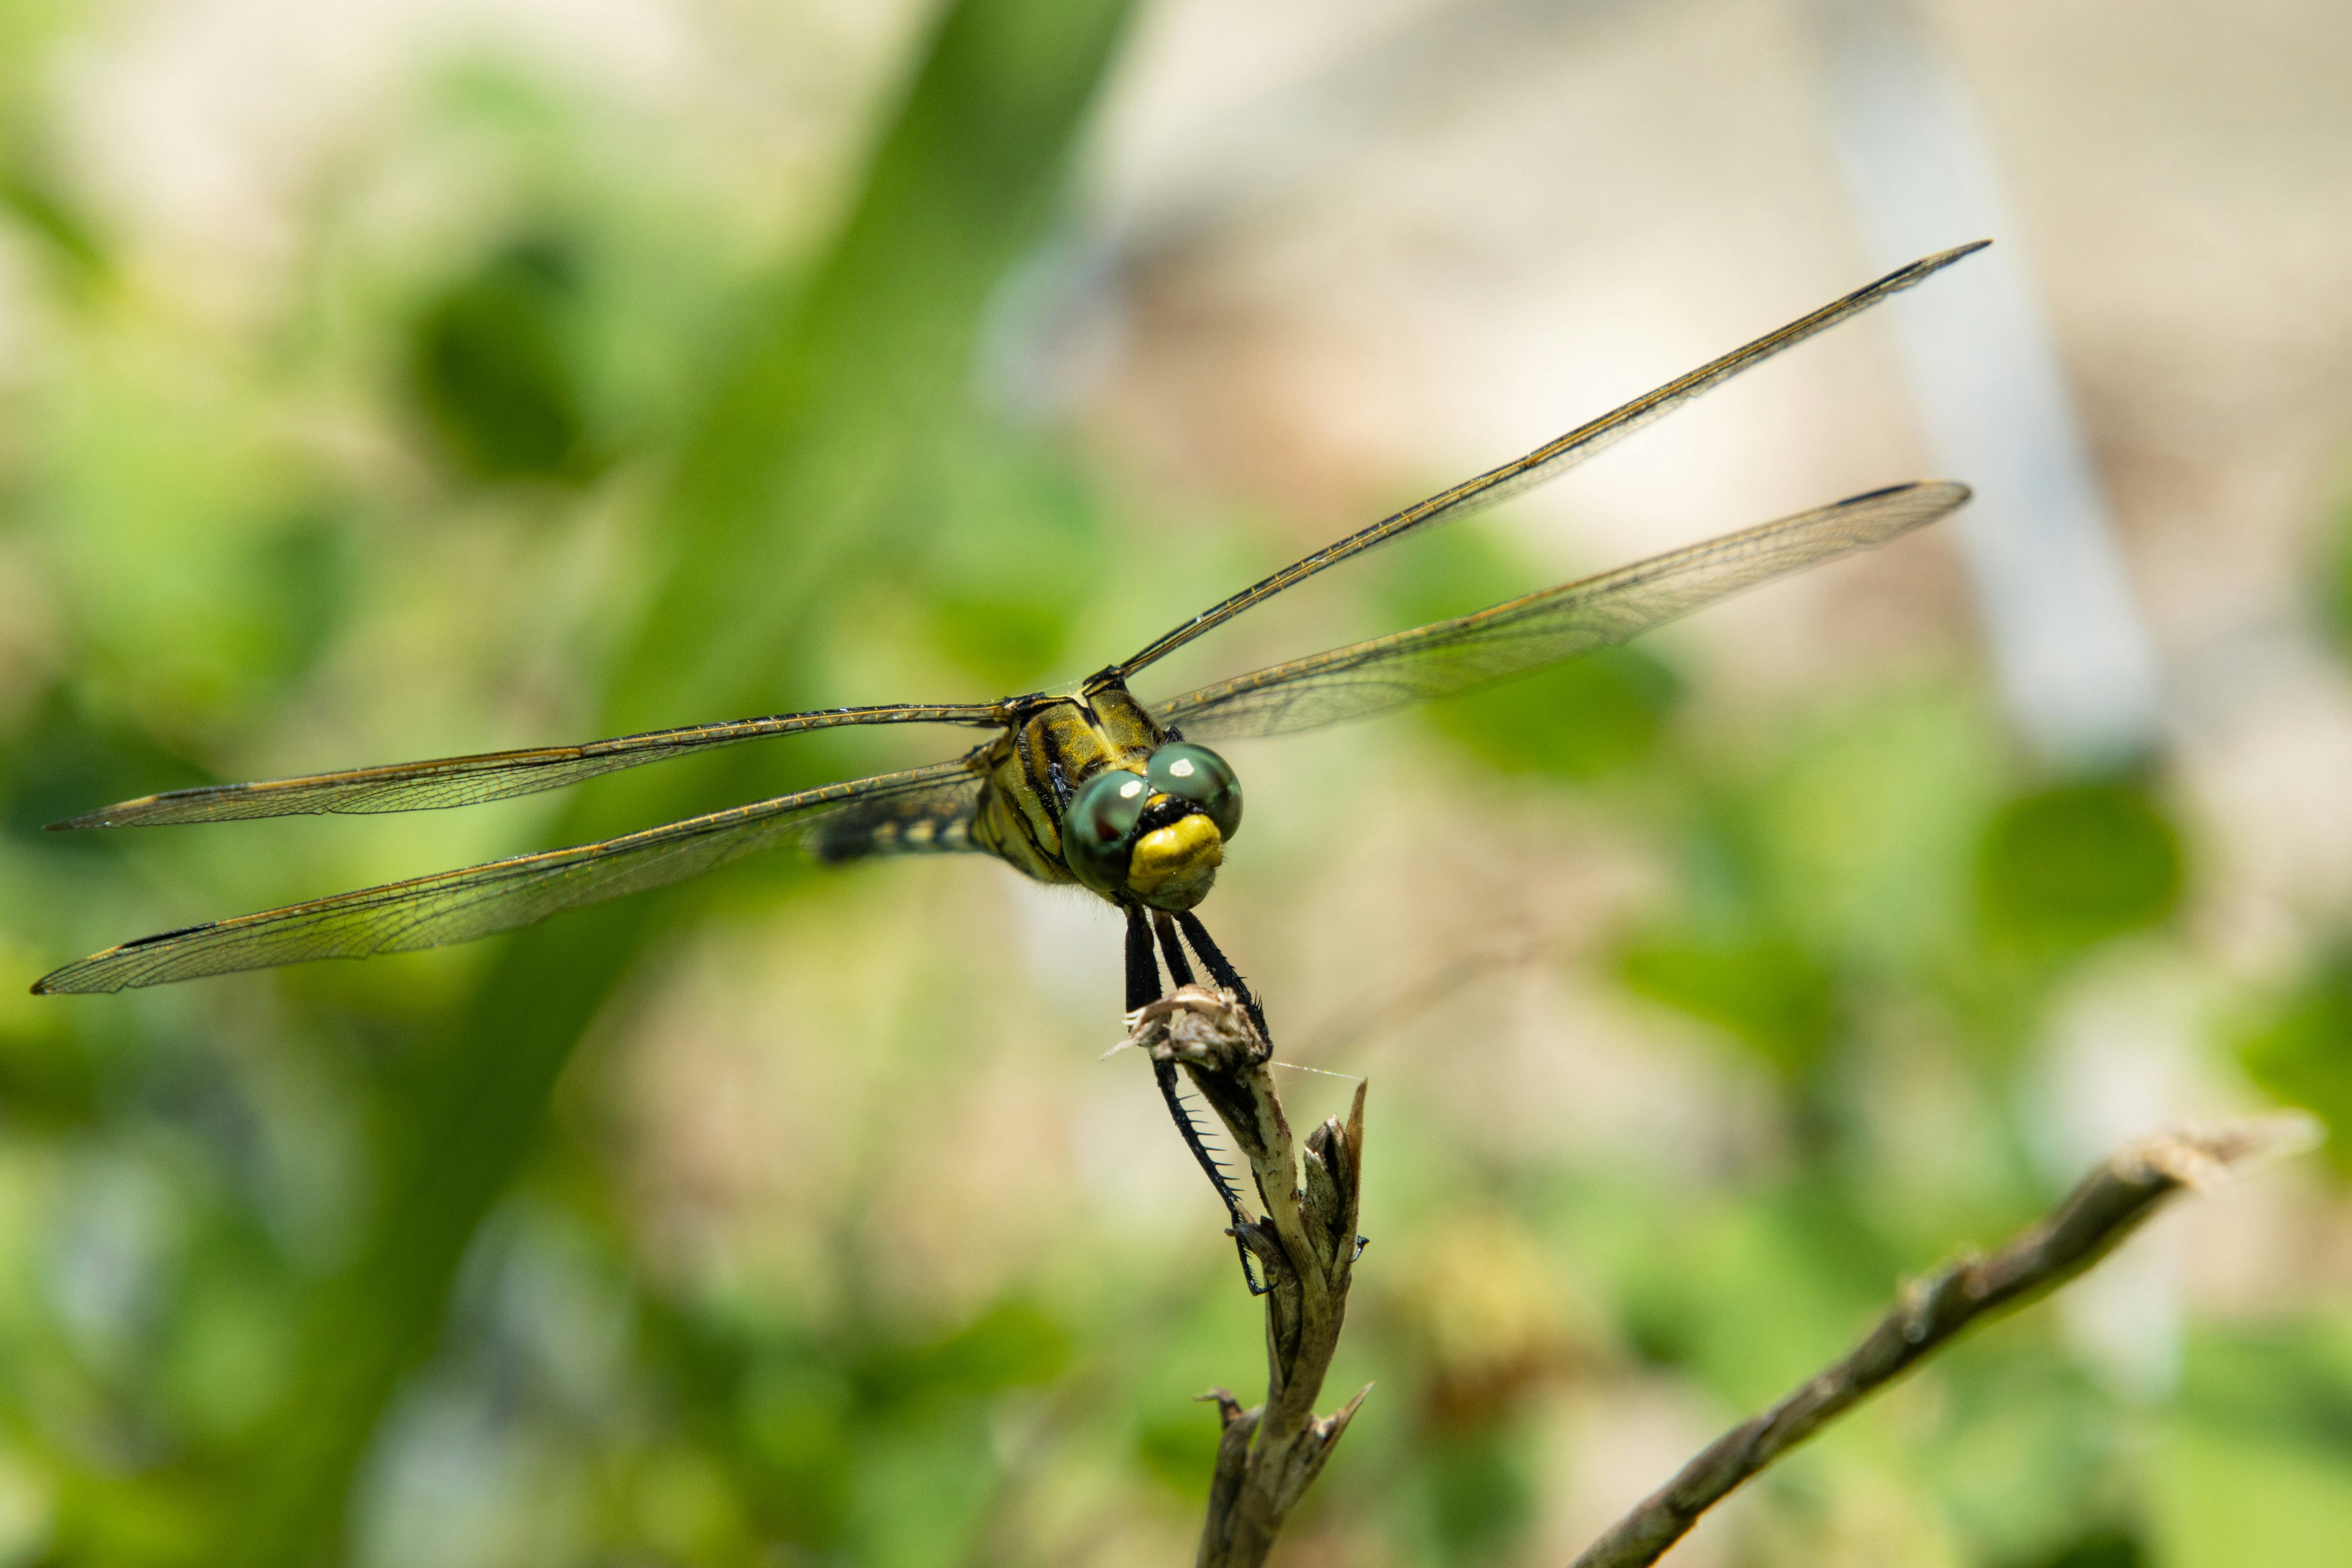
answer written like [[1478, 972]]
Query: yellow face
[[1154, 835], [1172, 867]]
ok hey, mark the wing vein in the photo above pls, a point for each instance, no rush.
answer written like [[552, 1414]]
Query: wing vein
[[501, 895], [1447, 657], [1547, 461], [487, 776]]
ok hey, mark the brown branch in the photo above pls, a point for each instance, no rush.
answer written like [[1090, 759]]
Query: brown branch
[[1305, 1243], [2108, 1205]]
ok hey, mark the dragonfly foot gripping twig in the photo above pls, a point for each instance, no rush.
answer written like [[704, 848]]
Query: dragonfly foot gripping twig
[[1307, 1244]]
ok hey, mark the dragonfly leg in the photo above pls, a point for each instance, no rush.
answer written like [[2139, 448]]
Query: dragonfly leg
[[1221, 971], [1180, 968], [1142, 967], [1142, 988], [1188, 1128]]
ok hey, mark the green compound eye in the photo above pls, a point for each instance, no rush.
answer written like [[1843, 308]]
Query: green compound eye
[[1198, 775], [1098, 827]]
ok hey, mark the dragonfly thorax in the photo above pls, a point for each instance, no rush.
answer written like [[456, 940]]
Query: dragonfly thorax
[[1089, 789]]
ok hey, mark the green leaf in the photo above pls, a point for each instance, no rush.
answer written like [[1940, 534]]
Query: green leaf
[[493, 366], [1014, 554], [41, 208], [2252, 1467], [2097, 1549], [2074, 864], [1014, 1344], [1765, 990], [2302, 1053], [1178, 1449], [2228, 1499], [1477, 1499]]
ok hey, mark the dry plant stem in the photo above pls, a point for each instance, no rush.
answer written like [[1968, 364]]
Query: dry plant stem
[[1306, 1243], [2108, 1205]]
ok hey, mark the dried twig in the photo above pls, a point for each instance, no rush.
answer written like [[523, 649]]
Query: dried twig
[[2108, 1205], [1305, 1243]]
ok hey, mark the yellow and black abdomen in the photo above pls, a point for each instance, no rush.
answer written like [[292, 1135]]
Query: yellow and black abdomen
[[912, 833], [925, 825]]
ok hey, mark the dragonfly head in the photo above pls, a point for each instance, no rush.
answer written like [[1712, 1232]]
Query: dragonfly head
[[1157, 835]]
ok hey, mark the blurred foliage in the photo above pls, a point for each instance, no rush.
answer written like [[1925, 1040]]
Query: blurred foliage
[[2078, 863], [371, 1261], [2254, 1459], [1012, 546], [2302, 1052], [34, 204], [1766, 991], [2332, 576], [494, 366]]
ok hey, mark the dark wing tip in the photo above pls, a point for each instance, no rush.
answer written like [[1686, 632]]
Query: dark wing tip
[[101, 973], [1952, 490]]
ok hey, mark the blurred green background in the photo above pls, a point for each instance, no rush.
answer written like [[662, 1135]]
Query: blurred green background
[[387, 378]]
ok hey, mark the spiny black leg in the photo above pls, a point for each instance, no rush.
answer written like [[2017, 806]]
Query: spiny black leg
[[1190, 1131], [1180, 969], [1223, 972], [1143, 968], [1143, 989], [1227, 975]]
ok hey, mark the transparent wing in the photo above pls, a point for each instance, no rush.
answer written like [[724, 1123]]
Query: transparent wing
[[933, 823], [1550, 459], [494, 775], [1449, 656], [460, 906]]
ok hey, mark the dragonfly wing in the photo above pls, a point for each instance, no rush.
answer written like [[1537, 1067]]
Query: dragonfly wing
[[1550, 459], [494, 776], [1449, 656], [460, 906]]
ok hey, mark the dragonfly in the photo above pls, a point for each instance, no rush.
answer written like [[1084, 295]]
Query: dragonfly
[[1086, 786]]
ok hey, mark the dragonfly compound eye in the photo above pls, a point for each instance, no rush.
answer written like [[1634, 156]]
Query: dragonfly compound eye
[[1197, 774], [1099, 829]]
